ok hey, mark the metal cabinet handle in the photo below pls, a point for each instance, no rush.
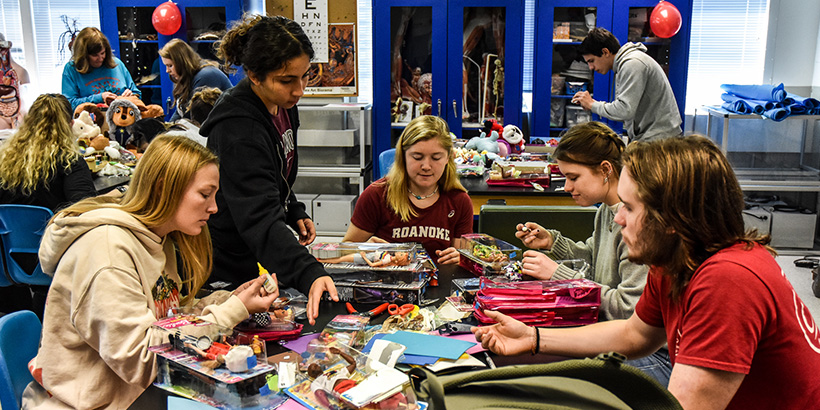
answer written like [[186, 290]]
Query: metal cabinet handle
[[455, 109], [439, 107]]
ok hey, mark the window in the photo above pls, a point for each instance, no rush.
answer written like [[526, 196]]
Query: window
[[727, 45], [365, 50], [11, 27], [48, 25]]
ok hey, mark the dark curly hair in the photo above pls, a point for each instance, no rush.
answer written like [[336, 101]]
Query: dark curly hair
[[261, 44]]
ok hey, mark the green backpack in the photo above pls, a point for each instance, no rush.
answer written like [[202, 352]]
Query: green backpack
[[600, 383]]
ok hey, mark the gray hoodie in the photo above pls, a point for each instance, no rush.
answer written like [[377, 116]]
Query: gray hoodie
[[644, 100], [113, 278]]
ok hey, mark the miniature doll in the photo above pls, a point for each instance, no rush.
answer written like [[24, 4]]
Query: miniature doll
[[374, 259]]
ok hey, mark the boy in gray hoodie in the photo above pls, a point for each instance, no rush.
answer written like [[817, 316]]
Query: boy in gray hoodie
[[644, 100]]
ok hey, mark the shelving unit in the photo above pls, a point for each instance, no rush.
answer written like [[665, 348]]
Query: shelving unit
[[127, 25], [628, 20], [801, 178], [355, 163]]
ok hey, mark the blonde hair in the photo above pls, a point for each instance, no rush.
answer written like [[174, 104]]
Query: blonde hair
[[423, 128], [156, 189], [43, 143], [90, 41]]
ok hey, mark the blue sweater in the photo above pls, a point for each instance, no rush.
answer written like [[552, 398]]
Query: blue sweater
[[82, 88], [208, 76]]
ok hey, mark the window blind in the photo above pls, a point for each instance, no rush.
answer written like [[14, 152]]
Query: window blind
[[727, 45], [47, 29], [12, 28]]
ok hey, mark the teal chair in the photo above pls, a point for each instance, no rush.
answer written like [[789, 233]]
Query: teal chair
[[21, 228], [386, 159], [4, 275], [19, 341]]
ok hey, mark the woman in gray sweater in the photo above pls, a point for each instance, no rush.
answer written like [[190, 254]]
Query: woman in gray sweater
[[589, 155]]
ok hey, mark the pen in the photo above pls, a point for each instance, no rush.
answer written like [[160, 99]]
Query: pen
[[489, 360]]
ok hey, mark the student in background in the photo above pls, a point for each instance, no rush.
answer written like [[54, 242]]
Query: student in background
[[420, 199], [116, 272], [738, 335], [644, 100], [253, 129], [189, 72], [589, 155], [94, 74]]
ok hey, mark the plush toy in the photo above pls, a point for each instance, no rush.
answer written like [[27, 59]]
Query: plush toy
[[514, 137], [95, 112], [146, 111], [483, 144], [492, 125], [88, 133], [121, 116]]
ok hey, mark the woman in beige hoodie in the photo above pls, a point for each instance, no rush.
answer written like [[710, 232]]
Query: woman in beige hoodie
[[115, 273]]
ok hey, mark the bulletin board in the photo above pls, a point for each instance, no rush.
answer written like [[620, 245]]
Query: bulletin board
[[339, 77]]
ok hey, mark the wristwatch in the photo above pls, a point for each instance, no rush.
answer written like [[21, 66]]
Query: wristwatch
[[122, 188]]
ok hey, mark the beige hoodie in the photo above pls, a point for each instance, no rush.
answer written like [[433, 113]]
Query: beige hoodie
[[112, 279]]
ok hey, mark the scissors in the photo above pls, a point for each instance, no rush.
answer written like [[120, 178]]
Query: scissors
[[372, 312], [402, 310]]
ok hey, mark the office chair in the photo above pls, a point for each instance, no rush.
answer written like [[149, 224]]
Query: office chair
[[19, 341], [21, 228]]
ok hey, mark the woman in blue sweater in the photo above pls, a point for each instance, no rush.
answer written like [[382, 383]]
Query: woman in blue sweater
[[189, 72], [94, 75]]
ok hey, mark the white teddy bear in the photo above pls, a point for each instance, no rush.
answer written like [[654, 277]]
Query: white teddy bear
[[84, 126]]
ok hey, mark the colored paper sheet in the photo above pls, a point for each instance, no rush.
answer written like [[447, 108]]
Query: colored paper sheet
[[430, 345]]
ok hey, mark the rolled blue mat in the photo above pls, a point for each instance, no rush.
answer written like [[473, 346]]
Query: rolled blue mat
[[807, 101], [741, 105], [735, 107], [777, 114], [764, 92], [798, 109], [766, 105]]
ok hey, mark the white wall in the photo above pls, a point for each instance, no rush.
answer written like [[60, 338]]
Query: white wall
[[792, 56]]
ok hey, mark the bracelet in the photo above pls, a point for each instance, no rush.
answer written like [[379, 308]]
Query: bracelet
[[536, 348]]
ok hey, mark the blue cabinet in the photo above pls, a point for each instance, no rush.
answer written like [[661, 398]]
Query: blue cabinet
[[127, 25], [561, 26], [458, 59]]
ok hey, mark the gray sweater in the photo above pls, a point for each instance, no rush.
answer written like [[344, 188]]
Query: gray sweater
[[621, 281], [644, 100]]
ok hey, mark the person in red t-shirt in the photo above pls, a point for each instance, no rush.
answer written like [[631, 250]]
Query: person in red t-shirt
[[420, 199], [739, 336]]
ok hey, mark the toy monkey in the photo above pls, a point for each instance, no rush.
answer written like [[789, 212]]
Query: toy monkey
[[374, 259]]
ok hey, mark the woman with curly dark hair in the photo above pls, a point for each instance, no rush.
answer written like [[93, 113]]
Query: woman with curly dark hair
[[252, 128]]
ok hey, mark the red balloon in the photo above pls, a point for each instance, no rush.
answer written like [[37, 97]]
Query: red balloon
[[665, 20], [166, 18]]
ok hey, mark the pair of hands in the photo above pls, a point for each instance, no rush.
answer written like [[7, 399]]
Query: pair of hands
[[109, 96], [307, 234], [257, 300], [584, 99], [445, 257], [508, 337], [534, 263]]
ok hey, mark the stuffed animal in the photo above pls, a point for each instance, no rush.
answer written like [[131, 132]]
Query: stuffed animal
[[96, 113], [121, 116], [514, 137], [84, 127], [483, 144], [146, 111]]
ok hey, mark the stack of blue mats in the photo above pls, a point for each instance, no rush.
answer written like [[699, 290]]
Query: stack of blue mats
[[770, 101]]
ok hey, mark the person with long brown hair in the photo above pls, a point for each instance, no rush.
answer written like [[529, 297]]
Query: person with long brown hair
[[119, 266], [253, 129], [93, 74], [189, 72], [420, 199], [739, 336]]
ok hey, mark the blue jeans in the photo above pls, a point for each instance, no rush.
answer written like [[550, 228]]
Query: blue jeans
[[656, 366]]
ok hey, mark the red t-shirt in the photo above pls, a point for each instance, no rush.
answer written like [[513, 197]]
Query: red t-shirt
[[739, 313], [435, 227], [281, 122]]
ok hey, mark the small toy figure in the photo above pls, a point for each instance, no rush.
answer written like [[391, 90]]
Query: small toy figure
[[121, 116], [256, 344], [338, 380], [374, 259]]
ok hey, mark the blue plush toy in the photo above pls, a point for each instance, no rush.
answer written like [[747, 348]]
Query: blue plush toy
[[484, 143]]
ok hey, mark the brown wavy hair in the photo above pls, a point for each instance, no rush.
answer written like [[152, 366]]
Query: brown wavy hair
[[91, 41], [187, 64], [693, 205], [42, 144], [590, 144], [261, 44]]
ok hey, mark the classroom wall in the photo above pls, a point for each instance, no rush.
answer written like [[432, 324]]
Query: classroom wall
[[792, 56]]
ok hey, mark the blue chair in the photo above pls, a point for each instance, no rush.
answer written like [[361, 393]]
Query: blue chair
[[21, 228], [19, 341], [4, 275], [386, 159]]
